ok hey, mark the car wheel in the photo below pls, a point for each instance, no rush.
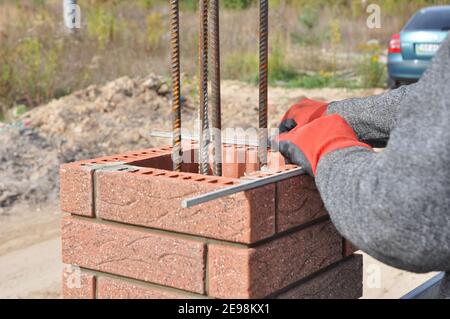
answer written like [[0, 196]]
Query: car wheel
[[392, 83]]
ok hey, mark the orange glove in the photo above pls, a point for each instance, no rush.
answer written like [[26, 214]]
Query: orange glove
[[306, 145], [301, 114]]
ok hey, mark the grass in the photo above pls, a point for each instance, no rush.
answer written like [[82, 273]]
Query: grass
[[312, 81], [282, 72]]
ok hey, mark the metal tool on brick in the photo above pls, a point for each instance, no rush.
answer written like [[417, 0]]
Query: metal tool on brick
[[244, 186]]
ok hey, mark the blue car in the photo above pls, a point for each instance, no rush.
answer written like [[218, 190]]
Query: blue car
[[411, 50]]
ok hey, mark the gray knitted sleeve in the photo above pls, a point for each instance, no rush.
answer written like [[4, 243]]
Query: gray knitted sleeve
[[395, 205], [372, 117]]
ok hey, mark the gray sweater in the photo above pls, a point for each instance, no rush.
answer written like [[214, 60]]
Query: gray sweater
[[395, 205]]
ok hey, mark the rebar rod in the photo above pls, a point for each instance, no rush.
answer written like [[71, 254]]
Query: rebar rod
[[176, 85], [215, 87], [203, 88], [263, 78]]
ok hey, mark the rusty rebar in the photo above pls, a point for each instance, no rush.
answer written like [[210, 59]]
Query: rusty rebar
[[203, 88], [215, 86], [176, 85], [263, 79]]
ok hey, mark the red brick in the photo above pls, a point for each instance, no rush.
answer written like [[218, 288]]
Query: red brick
[[137, 157], [237, 160], [76, 189], [76, 179], [77, 284], [163, 161], [251, 160], [348, 248], [236, 272], [233, 166], [157, 258], [161, 158], [298, 202], [190, 160], [341, 281], [109, 288], [154, 200], [241, 155], [275, 160]]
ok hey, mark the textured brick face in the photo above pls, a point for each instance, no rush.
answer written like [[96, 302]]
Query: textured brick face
[[76, 179], [229, 272], [157, 258], [120, 260], [298, 202], [76, 190], [343, 281], [77, 284], [109, 288], [258, 272], [155, 201]]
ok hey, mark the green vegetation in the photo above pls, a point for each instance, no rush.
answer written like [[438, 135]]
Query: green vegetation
[[155, 29], [28, 71], [283, 74], [101, 24], [20, 109], [237, 4], [227, 4], [313, 43], [372, 72]]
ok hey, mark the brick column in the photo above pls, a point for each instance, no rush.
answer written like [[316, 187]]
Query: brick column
[[126, 234]]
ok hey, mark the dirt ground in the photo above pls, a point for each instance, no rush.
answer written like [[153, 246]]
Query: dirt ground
[[104, 120]]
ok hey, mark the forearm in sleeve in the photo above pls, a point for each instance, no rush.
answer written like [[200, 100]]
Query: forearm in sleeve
[[380, 203], [372, 117]]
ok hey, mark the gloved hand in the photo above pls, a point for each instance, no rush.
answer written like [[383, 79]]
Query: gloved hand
[[301, 114], [306, 145]]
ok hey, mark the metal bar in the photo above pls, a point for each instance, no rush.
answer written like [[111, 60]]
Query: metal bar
[[203, 88], [427, 290], [225, 140], [215, 87], [176, 85], [190, 202], [263, 78]]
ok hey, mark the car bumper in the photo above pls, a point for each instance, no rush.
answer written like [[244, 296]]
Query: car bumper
[[400, 69]]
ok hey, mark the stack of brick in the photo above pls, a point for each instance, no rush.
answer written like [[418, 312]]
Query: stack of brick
[[128, 236]]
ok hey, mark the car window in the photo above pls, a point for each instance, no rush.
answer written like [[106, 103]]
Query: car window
[[430, 20]]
